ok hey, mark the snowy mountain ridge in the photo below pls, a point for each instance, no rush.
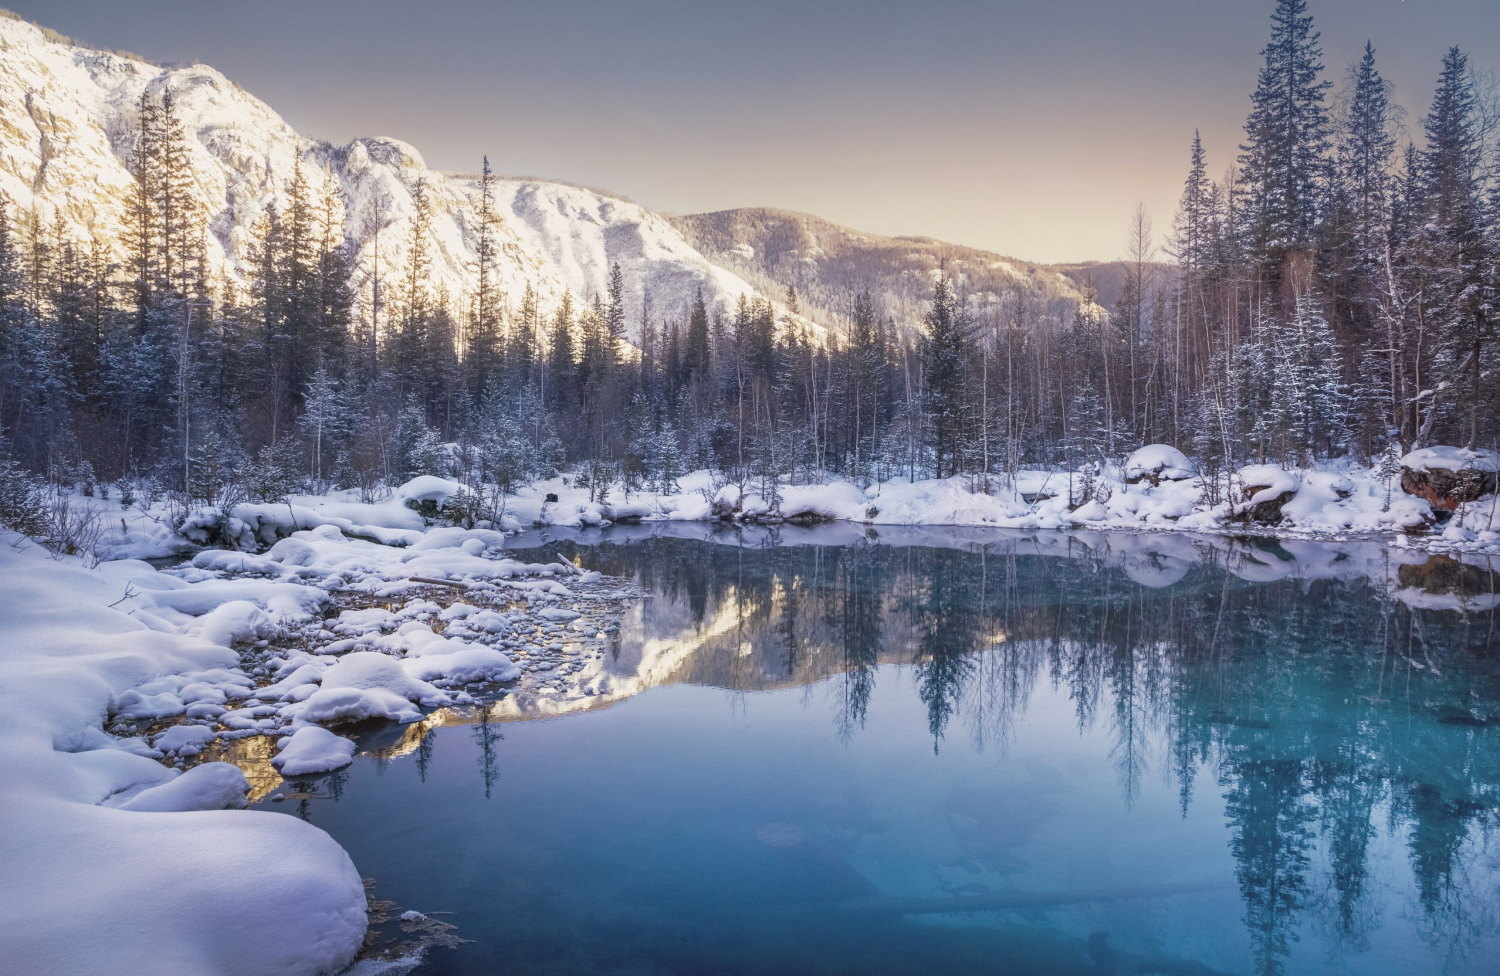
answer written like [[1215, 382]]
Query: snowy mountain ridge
[[69, 116], [826, 263]]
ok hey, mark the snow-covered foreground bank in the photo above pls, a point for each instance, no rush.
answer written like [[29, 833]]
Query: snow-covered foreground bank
[[113, 862], [113, 678]]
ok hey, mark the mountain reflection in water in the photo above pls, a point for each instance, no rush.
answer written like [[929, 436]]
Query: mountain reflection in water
[[1344, 698]]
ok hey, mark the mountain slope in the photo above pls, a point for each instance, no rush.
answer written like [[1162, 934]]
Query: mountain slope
[[828, 264], [69, 117]]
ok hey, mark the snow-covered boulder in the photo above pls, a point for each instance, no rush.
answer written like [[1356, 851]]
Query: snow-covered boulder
[[428, 495], [823, 503], [1156, 463], [1264, 488], [311, 750], [211, 786], [1450, 476], [627, 511], [428, 488]]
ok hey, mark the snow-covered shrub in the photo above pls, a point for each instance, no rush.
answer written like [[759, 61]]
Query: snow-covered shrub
[[70, 529], [274, 474], [213, 471], [22, 501]]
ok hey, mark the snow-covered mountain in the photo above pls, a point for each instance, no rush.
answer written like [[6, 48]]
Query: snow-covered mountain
[[827, 263], [68, 121]]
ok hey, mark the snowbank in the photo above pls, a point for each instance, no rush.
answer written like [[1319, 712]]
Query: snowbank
[[112, 861]]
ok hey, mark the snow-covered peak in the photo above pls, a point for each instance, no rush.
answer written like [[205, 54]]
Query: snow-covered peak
[[68, 121], [69, 117]]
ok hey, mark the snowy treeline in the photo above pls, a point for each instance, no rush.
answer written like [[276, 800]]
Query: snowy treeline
[[1335, 296]]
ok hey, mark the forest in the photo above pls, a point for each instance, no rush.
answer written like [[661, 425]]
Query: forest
[[1332, 295]]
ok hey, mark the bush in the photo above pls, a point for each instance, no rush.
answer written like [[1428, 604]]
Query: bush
[[23, 505], [274, 474], [72, 530]]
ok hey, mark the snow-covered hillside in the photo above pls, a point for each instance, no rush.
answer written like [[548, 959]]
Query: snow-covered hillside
[[68, 122], [827, 263], [69, 117]]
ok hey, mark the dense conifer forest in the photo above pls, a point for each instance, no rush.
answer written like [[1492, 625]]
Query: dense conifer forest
[[1333, 296]]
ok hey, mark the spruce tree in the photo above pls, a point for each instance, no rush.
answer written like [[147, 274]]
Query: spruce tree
[[482, 348], [1458, 298], [944, 350], [1283, 161]]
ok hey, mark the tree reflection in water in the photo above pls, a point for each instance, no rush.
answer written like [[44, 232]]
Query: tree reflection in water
[[1334, 693]]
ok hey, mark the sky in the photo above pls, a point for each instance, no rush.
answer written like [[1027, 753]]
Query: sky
[[1033, 129]]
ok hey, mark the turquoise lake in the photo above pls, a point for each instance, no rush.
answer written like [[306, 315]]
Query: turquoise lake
[[969, 752]]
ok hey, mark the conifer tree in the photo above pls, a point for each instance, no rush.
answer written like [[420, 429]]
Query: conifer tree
[[482, 348], [1459, 296], [1283, 160], [943, 362]]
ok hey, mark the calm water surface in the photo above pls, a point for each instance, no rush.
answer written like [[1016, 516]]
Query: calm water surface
[[1062, 755]]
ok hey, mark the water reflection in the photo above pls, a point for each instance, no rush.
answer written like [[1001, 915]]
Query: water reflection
[[1335, 693], [1343, 700]]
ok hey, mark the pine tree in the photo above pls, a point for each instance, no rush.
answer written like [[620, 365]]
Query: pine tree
[[1357, 228], [482, 349], [695, 350], [562, 374], [1283, 161], [943, 366], [1459, 298]]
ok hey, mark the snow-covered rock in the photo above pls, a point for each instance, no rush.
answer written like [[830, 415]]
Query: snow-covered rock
[[311, 750], [1264, 489], [1448, 477], [1157, 463]]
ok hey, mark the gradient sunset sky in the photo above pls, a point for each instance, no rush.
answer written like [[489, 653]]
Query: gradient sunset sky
[[1032, 129]]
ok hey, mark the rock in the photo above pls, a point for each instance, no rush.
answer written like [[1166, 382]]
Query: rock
[[1447, 477], [1268, 510], [1265, 488], [1156, 463]]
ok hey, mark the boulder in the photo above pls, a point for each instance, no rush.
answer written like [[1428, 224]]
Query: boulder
[[1447, 477], [1264, 489], [1156, 463]]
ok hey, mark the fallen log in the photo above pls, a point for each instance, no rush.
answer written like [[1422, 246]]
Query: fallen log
[[430, 581]]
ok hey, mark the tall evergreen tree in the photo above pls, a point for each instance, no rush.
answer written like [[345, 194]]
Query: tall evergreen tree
[[1459, 298], [1283, 161], [944, 349]]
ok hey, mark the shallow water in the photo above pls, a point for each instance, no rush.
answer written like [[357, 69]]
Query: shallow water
[[985, 753]]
